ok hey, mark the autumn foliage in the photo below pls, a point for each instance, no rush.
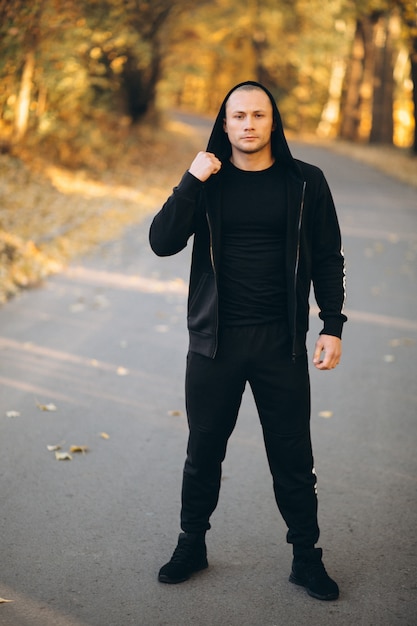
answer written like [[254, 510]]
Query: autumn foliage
[[74, 73], [84, 85]]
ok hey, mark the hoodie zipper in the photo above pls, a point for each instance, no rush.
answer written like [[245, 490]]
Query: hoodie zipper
[[215, 281], [297, 262]]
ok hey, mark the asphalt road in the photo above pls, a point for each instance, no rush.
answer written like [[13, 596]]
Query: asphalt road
[[105, 344]]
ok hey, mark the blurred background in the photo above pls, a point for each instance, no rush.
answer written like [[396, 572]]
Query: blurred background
[[88, 86]]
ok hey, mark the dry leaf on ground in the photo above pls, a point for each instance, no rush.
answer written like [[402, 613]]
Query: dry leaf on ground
[[12, 414], [405, 341], [3, 600], [104, 436], [46, 407], [63, 456], [326, 414], [54, 448], [78, 449]]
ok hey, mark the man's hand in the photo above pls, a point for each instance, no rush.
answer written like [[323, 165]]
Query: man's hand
[[327, 352], [204, 165]]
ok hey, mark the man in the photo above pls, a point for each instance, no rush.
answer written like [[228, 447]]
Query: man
[[265, 228]]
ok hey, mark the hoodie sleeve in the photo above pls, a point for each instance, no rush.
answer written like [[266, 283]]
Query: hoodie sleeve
[[174, 224], [328, 271]]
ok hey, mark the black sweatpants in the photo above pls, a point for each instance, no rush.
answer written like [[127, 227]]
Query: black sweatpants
[[261, 356]]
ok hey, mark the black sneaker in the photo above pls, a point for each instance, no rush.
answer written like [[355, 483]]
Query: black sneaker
[[189, 556], [309, 572]]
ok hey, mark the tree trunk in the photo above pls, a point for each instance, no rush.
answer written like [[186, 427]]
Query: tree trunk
[[331, 112], [367, 104], [350, 106], [23, 100], [413, 60], [382, 129]]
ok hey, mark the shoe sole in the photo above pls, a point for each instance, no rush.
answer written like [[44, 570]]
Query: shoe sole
[[297, 581], [176, 581]]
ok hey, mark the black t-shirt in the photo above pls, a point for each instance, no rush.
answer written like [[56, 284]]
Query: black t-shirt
[[252, 286]]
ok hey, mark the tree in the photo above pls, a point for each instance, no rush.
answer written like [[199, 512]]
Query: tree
[[408, 10], [367, 106], [68, 65], [286, 45], [367, 103]]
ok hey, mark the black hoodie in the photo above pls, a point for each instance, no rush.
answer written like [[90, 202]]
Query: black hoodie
[[313, 243]]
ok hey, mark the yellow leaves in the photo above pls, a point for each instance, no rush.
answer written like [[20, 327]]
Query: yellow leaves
[[21, 263], [75, 449], [46, 407], [117, 64], [63, 208], [67, 455], [12, 414], [4, 601], [78, 449], [326, 414], [95, 53], [175, 413]]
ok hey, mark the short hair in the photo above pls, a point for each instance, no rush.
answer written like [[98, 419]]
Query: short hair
[[246, 87]]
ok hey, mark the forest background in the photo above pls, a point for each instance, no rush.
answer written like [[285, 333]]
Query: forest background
[[86, 86]]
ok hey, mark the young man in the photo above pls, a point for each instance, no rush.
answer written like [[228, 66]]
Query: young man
[[265, 228]]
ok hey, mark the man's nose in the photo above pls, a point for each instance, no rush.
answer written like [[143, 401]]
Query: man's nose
[[249, 121]]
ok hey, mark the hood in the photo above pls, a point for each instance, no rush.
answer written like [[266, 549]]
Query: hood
[[219, 143]]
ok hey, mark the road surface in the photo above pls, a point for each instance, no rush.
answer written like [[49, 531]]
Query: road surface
[[104, 344]]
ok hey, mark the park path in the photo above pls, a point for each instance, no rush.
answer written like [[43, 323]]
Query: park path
[[104, 344]]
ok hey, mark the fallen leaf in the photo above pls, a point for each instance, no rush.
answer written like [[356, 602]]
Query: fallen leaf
[[77, 307], [122, 371], [405, 341], [326, 414], [161, 328], [101, 302], [54, 448], [63, 456], [104, 436], [175, 413], [46, 407], [389, 358], [79, 449], [3, 600], [12, 414]]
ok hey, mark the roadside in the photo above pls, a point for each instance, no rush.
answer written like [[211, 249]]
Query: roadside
[[49, 214]]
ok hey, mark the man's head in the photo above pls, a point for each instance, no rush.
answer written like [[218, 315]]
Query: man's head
[[249, 120], [225, 141]]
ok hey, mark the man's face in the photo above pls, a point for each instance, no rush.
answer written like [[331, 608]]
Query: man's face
[[249, 121]]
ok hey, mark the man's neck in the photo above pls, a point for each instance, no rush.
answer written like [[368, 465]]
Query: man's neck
[[255, 162]]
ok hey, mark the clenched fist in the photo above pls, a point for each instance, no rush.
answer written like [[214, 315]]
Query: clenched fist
[[204, 165]]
